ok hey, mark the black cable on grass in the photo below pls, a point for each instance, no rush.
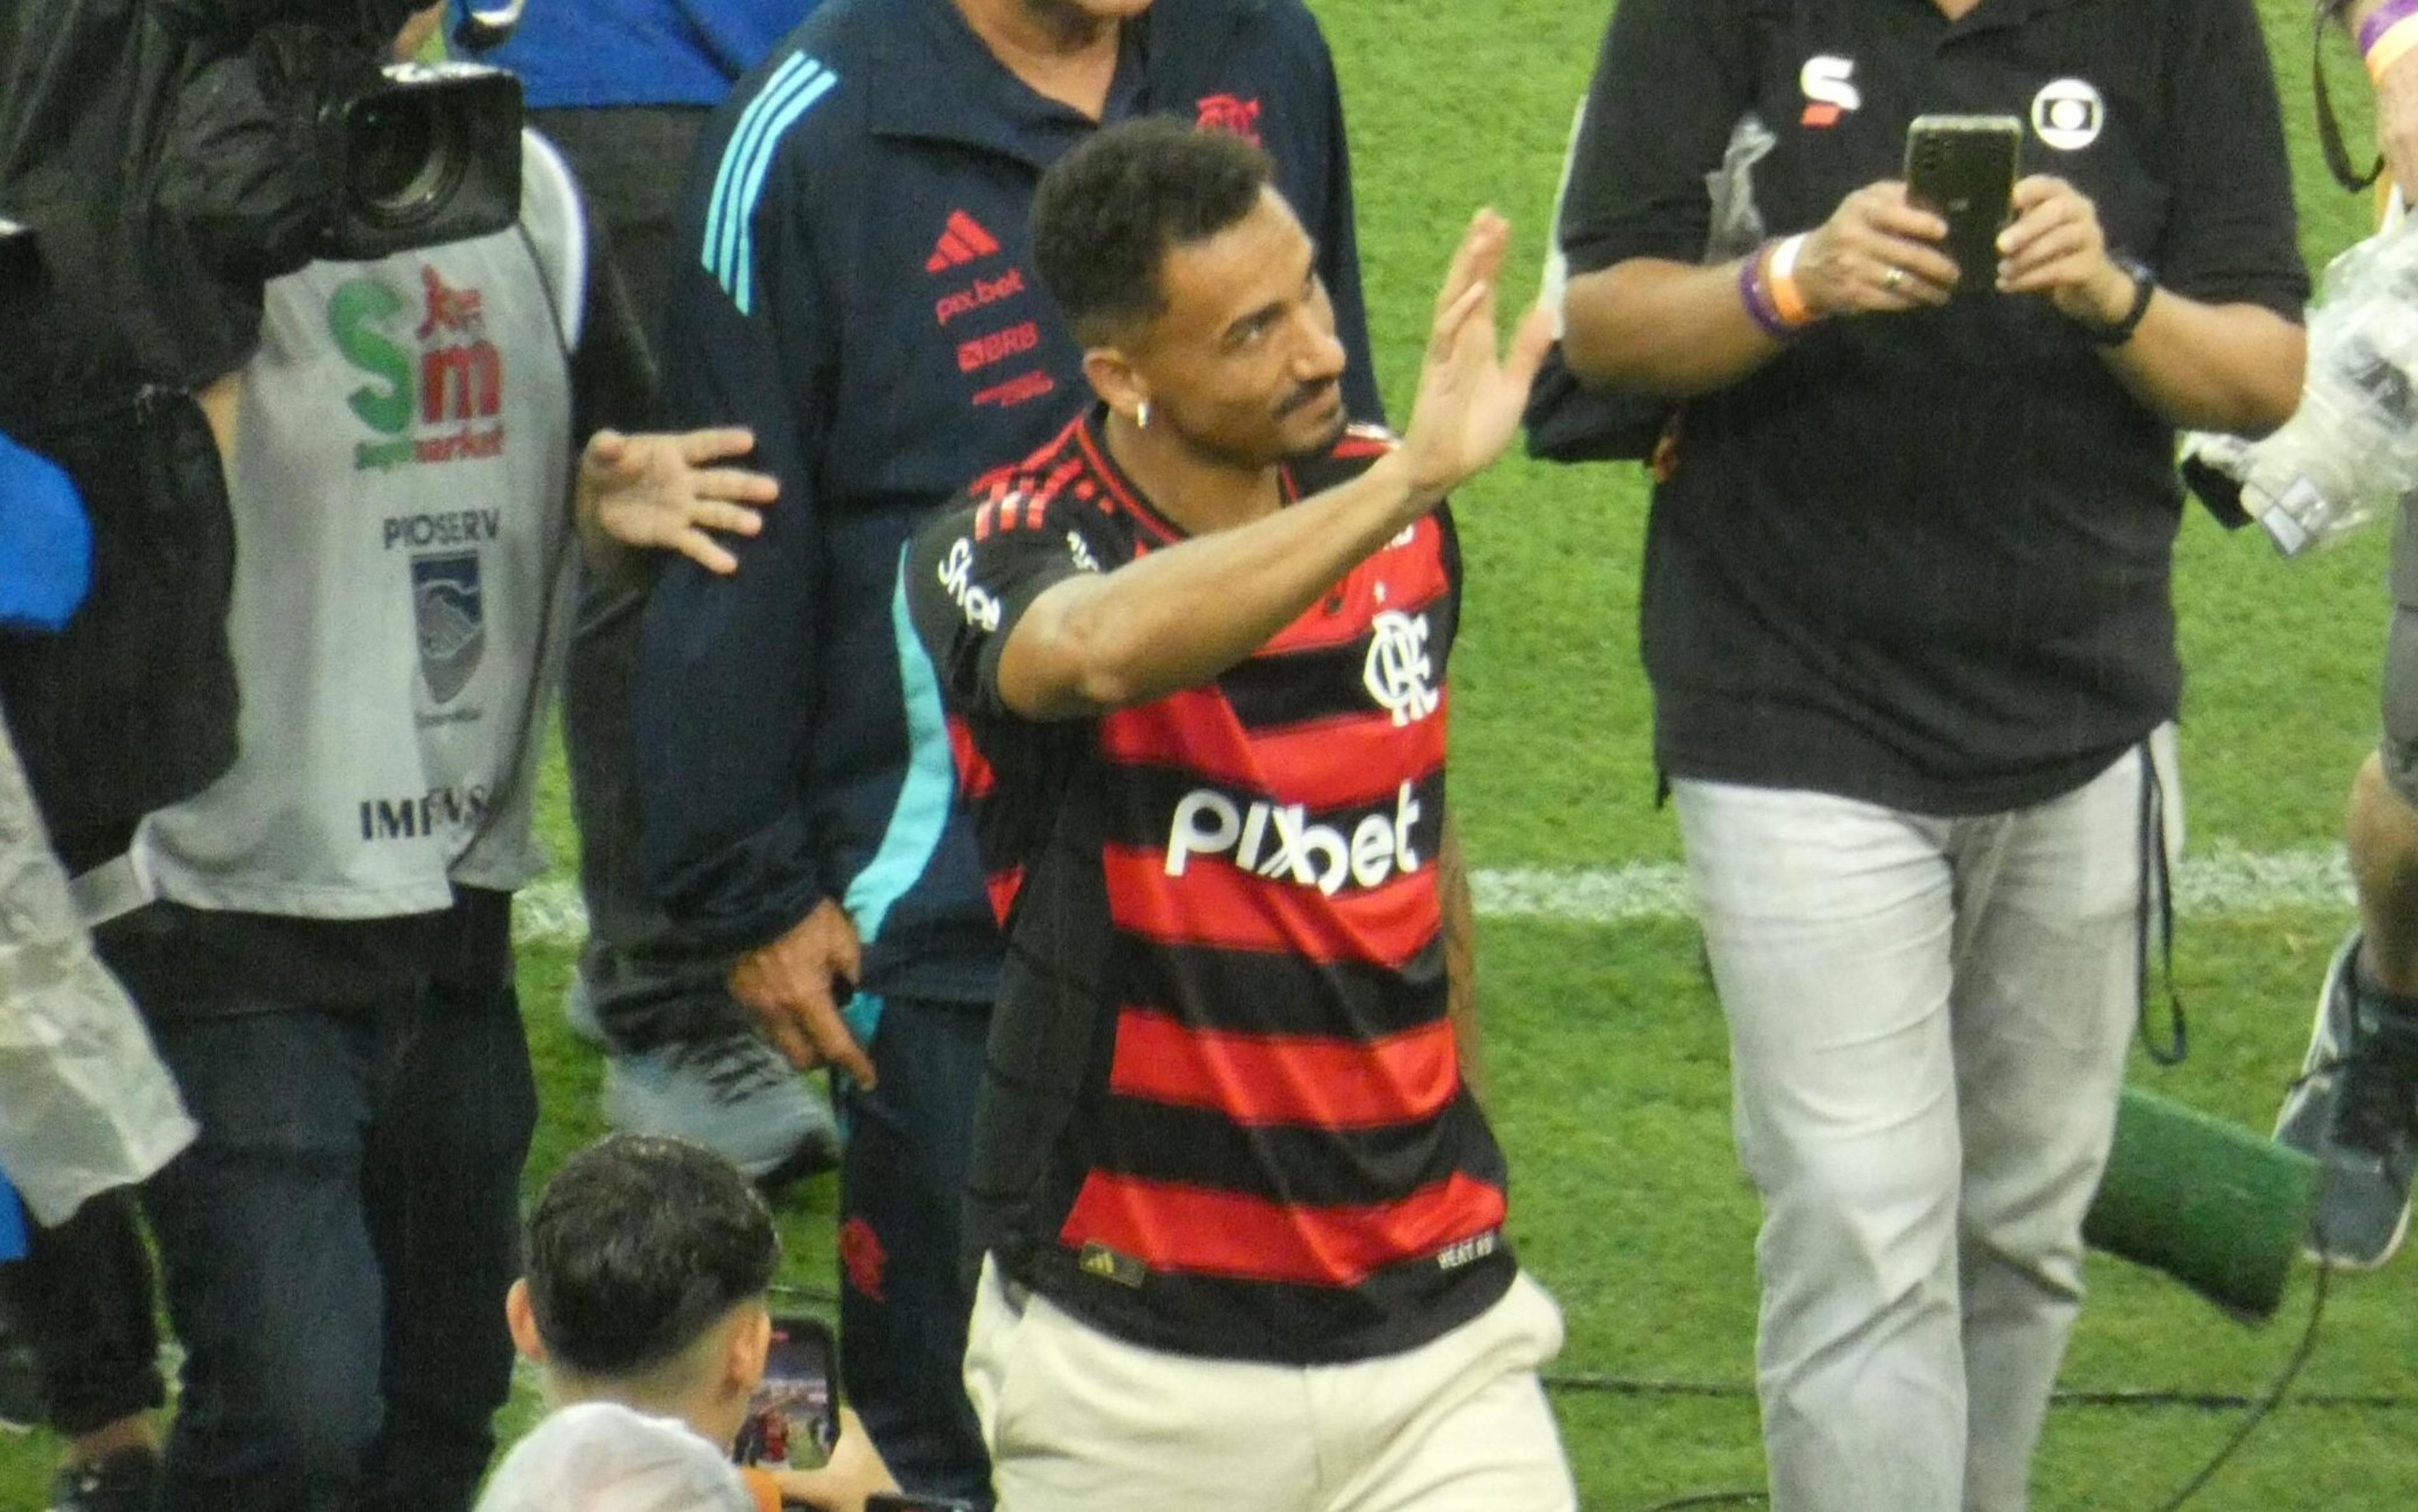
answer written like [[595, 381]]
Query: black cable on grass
[[2258, 1407], [2268, 1404]]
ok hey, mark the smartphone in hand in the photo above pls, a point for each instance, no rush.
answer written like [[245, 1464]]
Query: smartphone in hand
[[793, 1418], [901, 1502], [1961, 168]]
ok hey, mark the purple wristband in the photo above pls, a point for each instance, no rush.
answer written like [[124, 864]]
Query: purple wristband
[[2382, 20], [1757, 299]]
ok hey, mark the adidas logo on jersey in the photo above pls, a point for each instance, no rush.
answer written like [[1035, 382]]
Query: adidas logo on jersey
[[963, 241], [1279, 842]]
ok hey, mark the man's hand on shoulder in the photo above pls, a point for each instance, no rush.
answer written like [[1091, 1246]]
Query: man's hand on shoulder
[[661, 492], [794, 986]]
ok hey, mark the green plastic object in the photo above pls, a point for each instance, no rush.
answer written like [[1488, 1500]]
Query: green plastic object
[[2215, 1206]]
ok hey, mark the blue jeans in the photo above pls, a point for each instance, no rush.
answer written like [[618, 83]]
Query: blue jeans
[[906, 1288], [338, 1243]]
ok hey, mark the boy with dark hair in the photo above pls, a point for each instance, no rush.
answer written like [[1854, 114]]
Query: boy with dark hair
[[649, 1261]]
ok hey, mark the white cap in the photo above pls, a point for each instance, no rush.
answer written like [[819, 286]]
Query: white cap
[[602, 1456]]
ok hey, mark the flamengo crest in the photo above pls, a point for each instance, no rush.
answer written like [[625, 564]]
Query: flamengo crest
[[1399, 674]]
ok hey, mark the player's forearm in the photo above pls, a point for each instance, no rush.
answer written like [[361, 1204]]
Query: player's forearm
[[1178, 617], [1661, 327]]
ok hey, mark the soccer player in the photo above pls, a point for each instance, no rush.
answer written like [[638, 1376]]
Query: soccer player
[[1242, 1213], [858, 294]]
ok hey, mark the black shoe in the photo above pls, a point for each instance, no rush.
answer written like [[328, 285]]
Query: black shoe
[[127, 1481], [21, 1373], [2355, 1108]]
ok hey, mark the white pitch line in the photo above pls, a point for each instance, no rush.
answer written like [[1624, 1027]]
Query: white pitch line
[[2225, 881]]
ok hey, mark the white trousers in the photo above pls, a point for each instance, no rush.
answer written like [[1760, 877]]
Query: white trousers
[[1078, 1420], [1928, 1021]]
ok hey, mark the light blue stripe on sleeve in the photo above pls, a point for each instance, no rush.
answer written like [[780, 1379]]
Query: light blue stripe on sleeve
[[751, 121], [922, 811], [741, 280]]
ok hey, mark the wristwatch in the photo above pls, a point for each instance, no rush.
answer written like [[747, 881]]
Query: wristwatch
[[2145, 287]]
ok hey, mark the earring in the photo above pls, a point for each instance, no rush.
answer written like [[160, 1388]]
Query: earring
[[1141, 416]]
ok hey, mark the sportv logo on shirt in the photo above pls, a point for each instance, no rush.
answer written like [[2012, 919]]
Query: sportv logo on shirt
[[1830, 92]]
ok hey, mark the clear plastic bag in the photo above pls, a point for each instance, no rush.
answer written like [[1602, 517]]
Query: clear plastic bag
[[2350, 455]]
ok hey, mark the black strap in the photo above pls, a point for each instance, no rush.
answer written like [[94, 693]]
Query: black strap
[[2328, 129], [2157, 892]]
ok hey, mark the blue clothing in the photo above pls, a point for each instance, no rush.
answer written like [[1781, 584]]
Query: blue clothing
[[45, 541], [335, 1241], [862, 297], [580, 54], [12, 1223], [903, 1299]]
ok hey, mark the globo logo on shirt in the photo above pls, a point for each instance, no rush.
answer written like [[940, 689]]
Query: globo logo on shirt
[[2068, 113]]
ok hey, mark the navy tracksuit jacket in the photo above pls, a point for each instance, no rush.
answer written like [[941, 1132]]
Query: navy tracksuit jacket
[[863, 297]]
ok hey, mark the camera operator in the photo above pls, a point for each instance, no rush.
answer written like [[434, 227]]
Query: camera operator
[[148, 209]]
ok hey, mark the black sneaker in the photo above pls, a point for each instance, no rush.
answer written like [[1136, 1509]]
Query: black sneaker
[[2355, 1108], [127, 1481], [20, 1374]]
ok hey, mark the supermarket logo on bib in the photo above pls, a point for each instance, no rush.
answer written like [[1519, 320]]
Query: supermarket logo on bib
[[435, 389]]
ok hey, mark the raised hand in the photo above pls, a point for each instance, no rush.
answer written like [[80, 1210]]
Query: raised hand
[[659, 492], [1470, 399]]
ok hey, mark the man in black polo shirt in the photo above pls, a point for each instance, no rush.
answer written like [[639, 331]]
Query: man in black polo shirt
[[1243, 1215], [1907, 621]]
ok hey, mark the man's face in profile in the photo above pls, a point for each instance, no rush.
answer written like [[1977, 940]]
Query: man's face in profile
[[1243, 361]]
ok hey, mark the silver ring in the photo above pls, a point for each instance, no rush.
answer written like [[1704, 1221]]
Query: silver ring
[[1892, 279]]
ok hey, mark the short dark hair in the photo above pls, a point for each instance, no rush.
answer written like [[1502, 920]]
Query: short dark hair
[[638, 1245], [1108, 213]]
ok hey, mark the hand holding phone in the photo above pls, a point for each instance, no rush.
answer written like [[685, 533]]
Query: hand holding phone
[[1961, 168], [793, 1417], [904, 1501]]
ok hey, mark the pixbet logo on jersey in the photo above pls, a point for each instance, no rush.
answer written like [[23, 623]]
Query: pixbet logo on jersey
[[1278, 841]]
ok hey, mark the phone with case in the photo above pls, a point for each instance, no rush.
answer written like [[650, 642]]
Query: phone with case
[[1961, 168], [793, 1418]]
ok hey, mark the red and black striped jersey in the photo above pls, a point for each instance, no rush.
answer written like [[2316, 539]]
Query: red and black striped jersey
[[1223, 1112]]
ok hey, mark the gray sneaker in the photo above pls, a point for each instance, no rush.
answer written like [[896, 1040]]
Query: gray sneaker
[[733, 1093], [579, 1011], [2355, 1108]]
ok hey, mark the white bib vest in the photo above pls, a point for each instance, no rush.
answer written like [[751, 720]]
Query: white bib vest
[[403, 550]]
